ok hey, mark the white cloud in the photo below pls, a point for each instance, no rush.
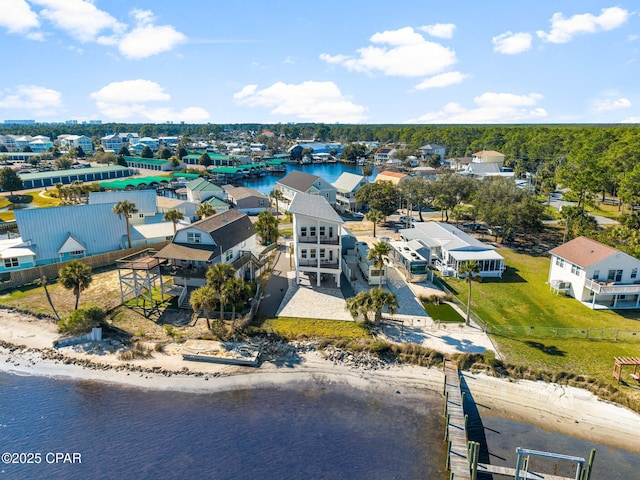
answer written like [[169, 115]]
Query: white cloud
[[17, 16], [309, 101], [442, 80], [129, 100], [441, 30], [490, 107], [511, 43], [564, 29], [631, 120], [404, 53], [608, 104], [150, 40], [79, 18], [39, 101]]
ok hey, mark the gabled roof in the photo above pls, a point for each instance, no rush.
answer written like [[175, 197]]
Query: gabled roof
[[488, 153], [431, 146], [449, 237], [583, 251], [388, 173], [314, 206], [238, 193], [71, 245], [347, 182], [202, 185], [298, 180]]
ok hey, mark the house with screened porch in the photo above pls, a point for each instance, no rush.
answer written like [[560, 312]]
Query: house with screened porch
[[599, 276]]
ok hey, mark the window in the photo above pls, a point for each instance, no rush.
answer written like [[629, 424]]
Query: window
[[141, 215], [596, 274], [261, 202], [559, 262], [312, 253], [303, 253], [10, 262], [575, 269], [614, 276], [193, 237], [312, 231], [228, 255], [634, 272], [77, 252], [322, 253], [303, 231], [322, 231]]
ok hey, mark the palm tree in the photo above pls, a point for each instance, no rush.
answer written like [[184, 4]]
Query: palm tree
[[205, 299], [375, 216], [470, 269], [267, 227], [217, 275], [43, 281], [276, 195], [205, 210], [173, 216], [126, 208], [235, 290], [374, 301], [377, 255], [75, 276]]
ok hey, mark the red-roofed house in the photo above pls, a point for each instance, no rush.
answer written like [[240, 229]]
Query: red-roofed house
[[600, 276], [394, 177]]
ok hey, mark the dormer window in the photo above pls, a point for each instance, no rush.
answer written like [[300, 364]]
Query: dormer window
[[194, 237]]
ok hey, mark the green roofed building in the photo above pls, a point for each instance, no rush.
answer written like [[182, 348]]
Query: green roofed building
[[66, 177], [149, 163], [135, 183]]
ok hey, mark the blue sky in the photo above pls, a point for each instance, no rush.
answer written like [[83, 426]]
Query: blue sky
[[419, 61]]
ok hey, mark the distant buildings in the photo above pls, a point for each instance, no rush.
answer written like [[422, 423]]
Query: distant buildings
[[396, 178]]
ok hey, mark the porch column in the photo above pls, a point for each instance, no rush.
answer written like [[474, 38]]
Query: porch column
[[615, 300]]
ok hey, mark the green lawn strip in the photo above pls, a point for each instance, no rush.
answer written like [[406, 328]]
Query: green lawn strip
[[291, 328], [442, 312], [523, 298]]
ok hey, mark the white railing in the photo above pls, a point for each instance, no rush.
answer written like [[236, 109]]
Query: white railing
[[183, 295], [603, 288]]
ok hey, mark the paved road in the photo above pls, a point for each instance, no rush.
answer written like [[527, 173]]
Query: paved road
[[277, 285]]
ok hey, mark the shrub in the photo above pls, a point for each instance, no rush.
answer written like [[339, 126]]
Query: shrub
[[82, 321], [138, 351]]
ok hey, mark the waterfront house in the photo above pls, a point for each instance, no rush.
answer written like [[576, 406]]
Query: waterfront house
[[383, 154], [64, 233], [199, 190], [346, 187], [301, 182], [15, 254], [599, 276], [247, 200], [451, 248], [227, 237], [316, 238]]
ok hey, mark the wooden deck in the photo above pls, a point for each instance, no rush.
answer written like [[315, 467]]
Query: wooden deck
[[511, 472], [456, 429]]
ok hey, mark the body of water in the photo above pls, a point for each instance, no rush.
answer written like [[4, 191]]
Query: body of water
[[328, 171], [310, 432]]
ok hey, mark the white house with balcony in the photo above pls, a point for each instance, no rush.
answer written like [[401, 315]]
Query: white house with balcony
[[67, 141], [599, 276], [317, 243], [346, 187]]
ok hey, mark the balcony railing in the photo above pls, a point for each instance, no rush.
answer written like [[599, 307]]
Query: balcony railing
[[323, 240], [609, 288], [314, 263]]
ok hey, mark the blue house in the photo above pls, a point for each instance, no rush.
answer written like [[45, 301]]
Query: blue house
[[64, 233], [15, 255]]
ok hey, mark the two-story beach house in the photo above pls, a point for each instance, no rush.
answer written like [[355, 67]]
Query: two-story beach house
[[301, 182], [599, 276], [227, 237], [346, 187], [317, 244], [247, 200], [451, 247]]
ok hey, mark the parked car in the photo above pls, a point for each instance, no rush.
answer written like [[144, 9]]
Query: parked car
[[405, 219]]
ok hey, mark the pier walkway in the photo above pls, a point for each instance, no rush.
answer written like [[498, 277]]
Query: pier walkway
[[456, 425]]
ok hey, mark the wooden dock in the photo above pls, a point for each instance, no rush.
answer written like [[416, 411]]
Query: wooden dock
[[456, 425], [511, 472]]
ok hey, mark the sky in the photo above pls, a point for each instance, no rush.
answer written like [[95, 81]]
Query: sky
[[348, 62]]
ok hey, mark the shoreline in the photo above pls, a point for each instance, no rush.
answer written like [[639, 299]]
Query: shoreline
[[26, 349]]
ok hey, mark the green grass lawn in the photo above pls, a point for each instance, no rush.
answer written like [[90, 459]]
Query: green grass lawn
[[522, 297], [293, 328], [442, 312]]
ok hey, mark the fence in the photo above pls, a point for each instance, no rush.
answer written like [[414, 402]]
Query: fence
[[611, 334], [28, 275]]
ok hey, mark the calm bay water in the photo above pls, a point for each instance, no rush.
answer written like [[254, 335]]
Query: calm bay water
[[328, 171], [313, 433]]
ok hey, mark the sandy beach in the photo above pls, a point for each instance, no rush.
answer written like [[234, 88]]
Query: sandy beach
[[26, 349]]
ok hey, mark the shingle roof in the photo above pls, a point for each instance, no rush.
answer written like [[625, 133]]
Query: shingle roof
[[347, 182], [298, 180], [583, 251], [239, 193], [314, 206]]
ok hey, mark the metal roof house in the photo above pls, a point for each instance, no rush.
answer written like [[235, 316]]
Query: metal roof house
[[317, 238], [600, 276], [64, 233], [15, 255], [346, 187], [224, 237], [301, 182], [199, 190], [451, 247], [144, 200]]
